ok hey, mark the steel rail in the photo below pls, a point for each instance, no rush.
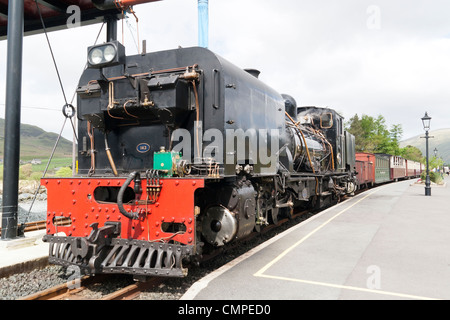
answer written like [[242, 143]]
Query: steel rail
[[39, 225]]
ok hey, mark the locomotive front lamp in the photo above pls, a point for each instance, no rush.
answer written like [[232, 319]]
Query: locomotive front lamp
[[426, 126], [95, 56], [106, 55]]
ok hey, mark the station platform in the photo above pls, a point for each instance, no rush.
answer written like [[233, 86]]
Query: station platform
[[388, 243], [23, 254]]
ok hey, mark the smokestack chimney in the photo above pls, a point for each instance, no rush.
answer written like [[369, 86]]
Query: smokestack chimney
[[203, 23]]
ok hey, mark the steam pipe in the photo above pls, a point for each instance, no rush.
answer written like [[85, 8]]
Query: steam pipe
[[110, 158], [119, 4]]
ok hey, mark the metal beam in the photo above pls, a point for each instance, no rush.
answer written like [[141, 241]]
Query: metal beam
[[54, 5], [59, 22], [12, 120]]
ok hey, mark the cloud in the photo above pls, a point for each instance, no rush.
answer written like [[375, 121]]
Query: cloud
[[358, 56]]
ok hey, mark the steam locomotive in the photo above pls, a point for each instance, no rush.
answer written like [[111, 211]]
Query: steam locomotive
[[181, 152]]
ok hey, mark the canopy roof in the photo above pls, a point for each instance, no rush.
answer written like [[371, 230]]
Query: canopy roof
[[54, 13]]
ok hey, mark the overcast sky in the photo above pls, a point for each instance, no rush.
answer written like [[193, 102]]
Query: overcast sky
[[389, 58]]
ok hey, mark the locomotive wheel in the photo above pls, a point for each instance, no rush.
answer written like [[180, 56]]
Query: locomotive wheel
[[274, 215]]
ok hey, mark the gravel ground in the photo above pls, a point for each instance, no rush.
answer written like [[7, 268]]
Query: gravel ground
[[38, 210], [22, 284]]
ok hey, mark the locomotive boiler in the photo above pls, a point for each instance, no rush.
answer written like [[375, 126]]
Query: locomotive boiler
[[181, 152]]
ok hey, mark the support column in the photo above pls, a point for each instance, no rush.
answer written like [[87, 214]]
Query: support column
[[111, 28], [12, 120]]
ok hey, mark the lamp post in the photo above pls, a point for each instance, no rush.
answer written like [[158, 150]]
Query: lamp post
[[435, 156], [426, 126]]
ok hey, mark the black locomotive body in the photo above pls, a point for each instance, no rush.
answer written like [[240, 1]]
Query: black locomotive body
[[181, 151]]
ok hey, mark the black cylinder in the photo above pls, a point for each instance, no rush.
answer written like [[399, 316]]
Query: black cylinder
[[12, 120]]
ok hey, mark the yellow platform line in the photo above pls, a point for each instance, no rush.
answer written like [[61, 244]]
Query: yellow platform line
[[260, 273], [285, 252], [337, 286]]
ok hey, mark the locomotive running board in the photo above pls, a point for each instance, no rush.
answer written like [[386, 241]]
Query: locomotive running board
[[136, 257]]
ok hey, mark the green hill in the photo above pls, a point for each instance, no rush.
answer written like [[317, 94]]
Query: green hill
[[36, 143], [441, 141]]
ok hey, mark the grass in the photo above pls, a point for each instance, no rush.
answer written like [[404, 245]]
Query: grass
[[56, 163], [35, 143], [35, 172]]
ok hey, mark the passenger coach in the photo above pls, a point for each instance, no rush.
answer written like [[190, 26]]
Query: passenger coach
[[378, 168]]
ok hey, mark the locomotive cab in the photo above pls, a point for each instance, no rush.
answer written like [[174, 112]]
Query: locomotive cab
[[331, 123]]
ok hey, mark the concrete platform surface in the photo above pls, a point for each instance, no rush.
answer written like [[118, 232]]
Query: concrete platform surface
[[23, 254], [391, 242]]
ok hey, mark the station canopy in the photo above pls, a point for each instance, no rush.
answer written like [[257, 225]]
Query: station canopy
[[55, 13]]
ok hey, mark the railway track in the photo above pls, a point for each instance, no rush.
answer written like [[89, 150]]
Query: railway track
[[63, 290], [133, 290], [77, 289], [40, 225]]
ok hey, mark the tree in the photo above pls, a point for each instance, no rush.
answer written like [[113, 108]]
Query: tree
[[433, 163], [411, 153], [371, 135], [381, 138], [354, 126], [395, 135]]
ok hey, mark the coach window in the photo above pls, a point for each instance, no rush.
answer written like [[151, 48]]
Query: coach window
[[326, 120]]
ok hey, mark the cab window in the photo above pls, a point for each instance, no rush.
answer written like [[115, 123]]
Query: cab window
[[326, 120]]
